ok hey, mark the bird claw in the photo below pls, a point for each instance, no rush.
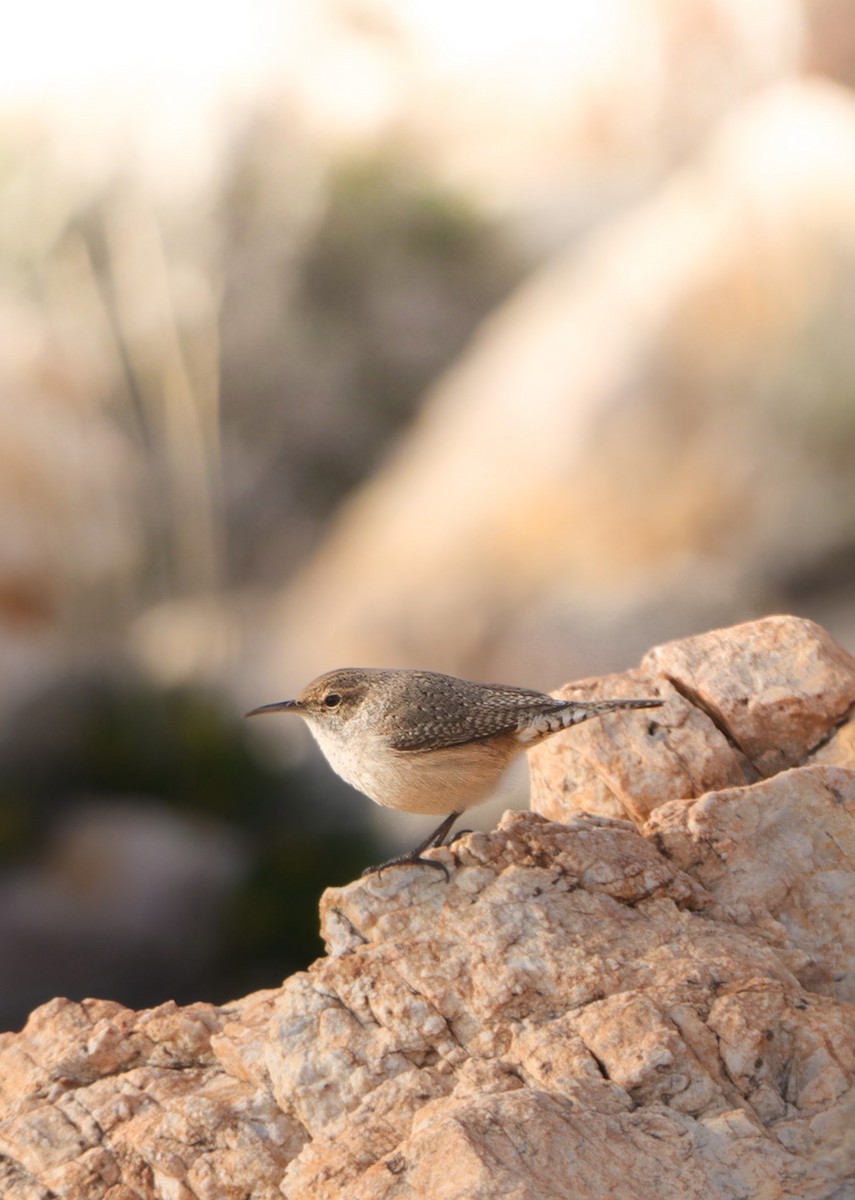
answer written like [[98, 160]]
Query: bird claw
[[431, 842], [405, 860]]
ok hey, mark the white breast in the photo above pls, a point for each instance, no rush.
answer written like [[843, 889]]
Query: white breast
[[433, 781], [354, 768]]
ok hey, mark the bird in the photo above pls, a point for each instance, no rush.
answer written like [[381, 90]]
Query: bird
[[423, 742]]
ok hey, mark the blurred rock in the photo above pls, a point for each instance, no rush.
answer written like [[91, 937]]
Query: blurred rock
[[586, 1009], [654, 434], [150, 845], [234, 314], [830, 39], [203, 378]]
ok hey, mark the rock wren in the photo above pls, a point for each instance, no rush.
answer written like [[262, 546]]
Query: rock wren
[[423, 742]]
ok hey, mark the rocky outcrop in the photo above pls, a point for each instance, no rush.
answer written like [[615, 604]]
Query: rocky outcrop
[[743, 704], [654, 1007]]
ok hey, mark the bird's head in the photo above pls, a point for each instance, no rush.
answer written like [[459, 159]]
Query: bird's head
[[330, 700]]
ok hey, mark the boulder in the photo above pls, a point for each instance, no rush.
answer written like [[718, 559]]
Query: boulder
[[648, 1005], [741, 704]]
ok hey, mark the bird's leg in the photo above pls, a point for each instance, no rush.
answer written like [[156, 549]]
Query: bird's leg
[[415, 856]]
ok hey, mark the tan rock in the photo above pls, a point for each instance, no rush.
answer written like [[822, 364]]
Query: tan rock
[[589, 1009], [839, 750], [779, 857], [776, 687], [624, 765], [742, 703], [571, 1015], [99, 1101]]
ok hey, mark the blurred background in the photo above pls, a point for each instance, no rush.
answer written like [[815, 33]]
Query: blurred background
[[502, 340]]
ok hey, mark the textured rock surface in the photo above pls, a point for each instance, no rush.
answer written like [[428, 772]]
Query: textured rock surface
[[594, 1009], [743, 703], [779, 857]]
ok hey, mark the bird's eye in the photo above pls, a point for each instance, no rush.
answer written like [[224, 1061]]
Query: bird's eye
[[332, 699]]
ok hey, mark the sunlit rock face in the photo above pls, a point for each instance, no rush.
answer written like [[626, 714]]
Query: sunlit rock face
[[601, 1007]]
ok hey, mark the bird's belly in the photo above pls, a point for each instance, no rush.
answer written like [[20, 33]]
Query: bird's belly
[[435, 781], [442, 781]]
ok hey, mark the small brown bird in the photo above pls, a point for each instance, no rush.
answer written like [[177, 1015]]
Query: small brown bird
[[423, 742]]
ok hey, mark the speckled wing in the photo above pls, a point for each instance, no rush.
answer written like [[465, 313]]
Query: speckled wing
[[441, 711]]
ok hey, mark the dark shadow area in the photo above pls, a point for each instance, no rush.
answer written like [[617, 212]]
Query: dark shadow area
[[150, 850]]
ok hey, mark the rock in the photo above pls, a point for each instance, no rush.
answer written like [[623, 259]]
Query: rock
[[776, 688], [624, 765], [99, 1101], [605, 1008], [778, 856], [742, 703]]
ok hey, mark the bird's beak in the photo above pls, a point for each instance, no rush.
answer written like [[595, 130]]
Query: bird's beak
[[279, 706]]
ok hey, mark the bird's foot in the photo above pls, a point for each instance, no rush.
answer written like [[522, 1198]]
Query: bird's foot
[[405, 860], [415, 856]]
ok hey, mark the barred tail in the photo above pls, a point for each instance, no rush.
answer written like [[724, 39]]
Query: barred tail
[[574, 712], [593, 707]]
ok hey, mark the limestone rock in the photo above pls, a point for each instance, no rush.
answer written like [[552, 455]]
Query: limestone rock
[[99, 1101], [778, 856], [742, 703], [776, 687], [605, 1008], [572, 1015]]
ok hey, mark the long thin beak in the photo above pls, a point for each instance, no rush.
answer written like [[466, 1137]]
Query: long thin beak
[[280, 706]]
